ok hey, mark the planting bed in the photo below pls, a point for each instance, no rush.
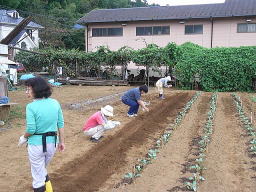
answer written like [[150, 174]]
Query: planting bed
[[85, 167]]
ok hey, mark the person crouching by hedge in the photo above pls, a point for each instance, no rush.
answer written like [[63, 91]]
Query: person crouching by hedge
[[44, 119], [96, 125], [162, 83], [132, 98]]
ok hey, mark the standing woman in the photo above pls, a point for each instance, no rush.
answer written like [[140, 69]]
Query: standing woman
[[44, 119]]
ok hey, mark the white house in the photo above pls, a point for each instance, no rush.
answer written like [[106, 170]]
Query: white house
[[27, 38], [7, 67]]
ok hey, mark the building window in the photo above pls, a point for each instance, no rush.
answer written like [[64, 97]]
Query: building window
[[23, 45], [155, 30], [193, 29], [103, 32], [246, 28], [16, 14]]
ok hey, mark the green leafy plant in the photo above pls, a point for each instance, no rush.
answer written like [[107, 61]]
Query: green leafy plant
[[216, 69], [164, 138]]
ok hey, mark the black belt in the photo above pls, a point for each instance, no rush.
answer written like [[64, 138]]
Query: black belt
[[44, 135]]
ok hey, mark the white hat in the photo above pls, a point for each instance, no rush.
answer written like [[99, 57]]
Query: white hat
[[107, 110], [168, 78]]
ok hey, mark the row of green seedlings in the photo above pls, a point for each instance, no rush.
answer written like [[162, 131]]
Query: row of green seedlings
[[247, 124], [197, 168], [164, 138]]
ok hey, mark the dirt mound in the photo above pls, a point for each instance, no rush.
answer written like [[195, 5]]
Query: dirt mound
[[90, 171]]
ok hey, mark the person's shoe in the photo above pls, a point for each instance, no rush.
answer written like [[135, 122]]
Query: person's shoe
[[135, 115], [94, 140], [162, 97], [40, 189], [130, 115], [48, 184]]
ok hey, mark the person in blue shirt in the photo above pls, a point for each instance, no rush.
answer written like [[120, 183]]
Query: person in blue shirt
[[132, 98], [162, 83], [44, 120]]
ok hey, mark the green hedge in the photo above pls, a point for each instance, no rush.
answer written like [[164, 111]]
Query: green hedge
[[219, 69]]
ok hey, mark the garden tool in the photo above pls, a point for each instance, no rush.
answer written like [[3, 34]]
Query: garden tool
[[48, 184]]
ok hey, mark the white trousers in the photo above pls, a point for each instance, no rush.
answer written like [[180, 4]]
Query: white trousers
[[95, 132], [38, 162], [159, 86]]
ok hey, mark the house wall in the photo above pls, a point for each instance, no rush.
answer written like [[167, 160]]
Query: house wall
[[224, 34], [6, 29]]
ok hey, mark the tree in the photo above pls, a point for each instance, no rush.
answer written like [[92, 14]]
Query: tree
[[150, 57], [121, 57]]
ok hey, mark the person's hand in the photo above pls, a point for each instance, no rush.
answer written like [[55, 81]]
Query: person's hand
[[22, 140], [61, 147], [145, 108]]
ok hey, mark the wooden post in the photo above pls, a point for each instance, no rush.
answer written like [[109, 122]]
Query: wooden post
[[77, 69], [147, 72], [55, 63]]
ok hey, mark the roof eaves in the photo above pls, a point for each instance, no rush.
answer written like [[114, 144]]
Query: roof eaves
[[181, 18], [37, 25]]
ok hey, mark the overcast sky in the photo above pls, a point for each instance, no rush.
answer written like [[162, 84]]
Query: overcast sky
[[184, 2]]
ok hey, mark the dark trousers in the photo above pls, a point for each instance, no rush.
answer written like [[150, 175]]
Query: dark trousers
[[134, 106]]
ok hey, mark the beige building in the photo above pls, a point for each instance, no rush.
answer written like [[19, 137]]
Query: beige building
[[229, 24]]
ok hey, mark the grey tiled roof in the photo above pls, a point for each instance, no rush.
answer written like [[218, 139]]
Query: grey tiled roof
[[4, 18], [16, 39], [228, 9]]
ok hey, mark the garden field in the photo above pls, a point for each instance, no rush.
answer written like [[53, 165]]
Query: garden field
[[199, 141]]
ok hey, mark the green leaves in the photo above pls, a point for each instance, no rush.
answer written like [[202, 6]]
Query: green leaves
[[152, 153], [205, 139], [251, 131], [217, 69]]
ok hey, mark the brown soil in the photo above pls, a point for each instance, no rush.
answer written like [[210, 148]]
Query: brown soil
[[90, 171], [165, 172], [249, 105], [85, 166], [15, 170], [228, 165]]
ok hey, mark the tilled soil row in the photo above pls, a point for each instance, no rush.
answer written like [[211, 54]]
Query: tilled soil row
[[203, 107], [165, 172], [89, 172], [228, 165]]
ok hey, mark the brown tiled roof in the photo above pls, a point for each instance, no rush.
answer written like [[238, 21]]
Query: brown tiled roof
[[230, 8]]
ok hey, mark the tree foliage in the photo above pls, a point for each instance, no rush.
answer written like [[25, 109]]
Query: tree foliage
[[59, 16], [218, 69]]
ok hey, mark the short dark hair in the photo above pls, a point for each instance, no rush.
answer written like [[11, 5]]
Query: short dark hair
[[144, 88], [40, 87]]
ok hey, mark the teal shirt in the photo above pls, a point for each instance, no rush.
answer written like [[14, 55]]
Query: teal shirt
[[43, 115]]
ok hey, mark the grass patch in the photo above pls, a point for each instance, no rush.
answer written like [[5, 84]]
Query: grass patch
[[16, 112]]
